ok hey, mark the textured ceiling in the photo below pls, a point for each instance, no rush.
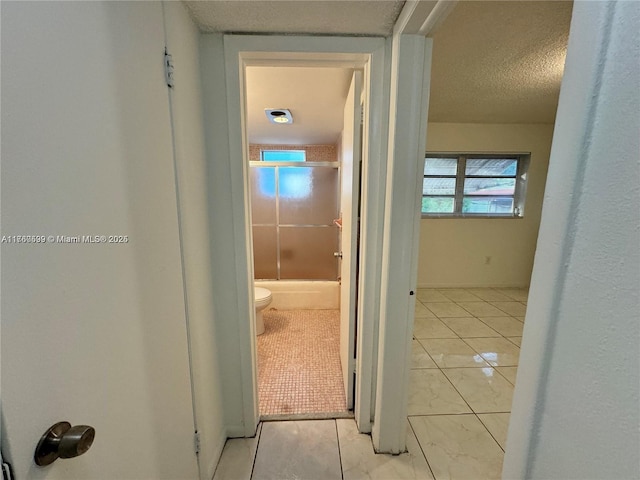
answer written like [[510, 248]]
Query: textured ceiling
[[493, 61], [499, 62], [332, 17], [315, 97]]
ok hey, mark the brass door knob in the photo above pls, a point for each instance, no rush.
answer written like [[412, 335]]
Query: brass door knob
[[63, 441]]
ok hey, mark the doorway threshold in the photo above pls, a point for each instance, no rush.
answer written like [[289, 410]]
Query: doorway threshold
[[306, 416]]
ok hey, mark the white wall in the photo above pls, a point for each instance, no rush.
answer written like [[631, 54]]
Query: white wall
[[453, 250], [576, 405], [223, 244], [183, 42], [92, 333]]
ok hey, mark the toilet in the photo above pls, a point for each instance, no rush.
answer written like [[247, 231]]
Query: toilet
[[262, 300]]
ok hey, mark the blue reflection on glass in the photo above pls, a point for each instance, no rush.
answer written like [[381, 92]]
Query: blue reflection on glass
[[295, 182], [266, 181], [511, 169]]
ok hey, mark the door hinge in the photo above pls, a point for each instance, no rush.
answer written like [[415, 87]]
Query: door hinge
[[196, 442], [6, 472], [354, 362], [168, 69]]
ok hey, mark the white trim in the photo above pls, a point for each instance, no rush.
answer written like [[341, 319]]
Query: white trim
[[372, 193], [210, 469], [411, 61], [238, 431], [241, 51], [241, 216], [471, 285], [351, 155], [423, 17], [413, 15], [437, 16]]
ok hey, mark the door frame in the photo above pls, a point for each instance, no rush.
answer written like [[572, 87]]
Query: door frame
[[351, 142], [370, 54]]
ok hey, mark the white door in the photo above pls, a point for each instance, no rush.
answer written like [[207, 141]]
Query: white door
[[349, 201], [92, 333]]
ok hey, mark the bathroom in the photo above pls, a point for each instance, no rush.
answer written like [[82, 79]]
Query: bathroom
[[295, 127]]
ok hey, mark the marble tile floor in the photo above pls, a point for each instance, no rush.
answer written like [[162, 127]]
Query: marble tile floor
[[461, 384], [317, 450]]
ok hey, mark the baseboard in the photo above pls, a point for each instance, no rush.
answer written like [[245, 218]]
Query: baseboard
[[471, 285], [219, 447], [233, 431], [236, 431]]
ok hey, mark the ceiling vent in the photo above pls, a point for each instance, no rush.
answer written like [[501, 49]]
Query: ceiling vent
[[279, 116]]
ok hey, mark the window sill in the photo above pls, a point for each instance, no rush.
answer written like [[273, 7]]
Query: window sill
[[464, 217]]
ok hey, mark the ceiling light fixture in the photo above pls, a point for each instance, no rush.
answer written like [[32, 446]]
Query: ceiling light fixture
[[279, 116]]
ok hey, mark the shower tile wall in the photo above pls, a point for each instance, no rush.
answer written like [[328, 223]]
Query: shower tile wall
[[315, 153]]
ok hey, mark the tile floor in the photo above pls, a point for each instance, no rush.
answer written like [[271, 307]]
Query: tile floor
[[464, 362], [299, 368]]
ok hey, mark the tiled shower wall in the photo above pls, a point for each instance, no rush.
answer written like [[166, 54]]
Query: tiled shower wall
[[315, 153]]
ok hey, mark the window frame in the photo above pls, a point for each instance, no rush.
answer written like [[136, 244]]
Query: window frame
[[271, 150], [522, 167]]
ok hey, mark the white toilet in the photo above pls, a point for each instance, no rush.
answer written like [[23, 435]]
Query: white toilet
[[262, 299]]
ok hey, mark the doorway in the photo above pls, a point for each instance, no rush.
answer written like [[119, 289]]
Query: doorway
[[367, 55], [304, 161]]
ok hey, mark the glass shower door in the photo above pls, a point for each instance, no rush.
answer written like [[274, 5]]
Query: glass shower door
[[293, 207]]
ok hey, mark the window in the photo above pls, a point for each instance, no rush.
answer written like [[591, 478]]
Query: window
[[480, 185], [283, 155]]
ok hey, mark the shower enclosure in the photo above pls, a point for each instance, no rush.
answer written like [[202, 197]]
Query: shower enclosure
[[293, 206]]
